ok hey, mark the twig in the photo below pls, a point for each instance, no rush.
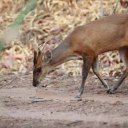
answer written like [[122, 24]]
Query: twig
[[101, 8], [39, 100], [74, 122], [114, 9]]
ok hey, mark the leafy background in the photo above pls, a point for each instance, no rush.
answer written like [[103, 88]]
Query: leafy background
[[51, 21]]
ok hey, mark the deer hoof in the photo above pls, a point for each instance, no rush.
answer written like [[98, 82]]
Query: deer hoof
[[78, 96], [110, 91]]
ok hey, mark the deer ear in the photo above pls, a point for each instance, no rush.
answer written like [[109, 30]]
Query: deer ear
[[35, 57], [48, 55]]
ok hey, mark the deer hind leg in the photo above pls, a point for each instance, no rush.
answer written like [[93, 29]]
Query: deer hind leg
[[96, 72], [87, 62], [124, 57]]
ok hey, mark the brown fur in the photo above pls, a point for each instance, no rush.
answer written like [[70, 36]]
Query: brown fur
[[106, 34], [39, 60]]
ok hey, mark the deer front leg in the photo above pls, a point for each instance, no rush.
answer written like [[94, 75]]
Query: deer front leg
[[87, 62]]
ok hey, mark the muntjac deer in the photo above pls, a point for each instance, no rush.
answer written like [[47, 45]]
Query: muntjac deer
[[88, 41]]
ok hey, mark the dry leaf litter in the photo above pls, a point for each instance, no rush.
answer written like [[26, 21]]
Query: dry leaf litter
[[50, 22]]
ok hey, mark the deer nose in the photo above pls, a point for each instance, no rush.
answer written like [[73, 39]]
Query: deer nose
[[35, 83]]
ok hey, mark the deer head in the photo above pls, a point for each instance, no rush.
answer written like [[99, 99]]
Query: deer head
[[41, 65]]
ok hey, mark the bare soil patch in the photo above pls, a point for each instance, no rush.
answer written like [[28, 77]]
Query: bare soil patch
[[54, 106]]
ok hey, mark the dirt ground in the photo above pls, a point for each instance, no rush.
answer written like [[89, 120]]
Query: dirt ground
[[54, 105]]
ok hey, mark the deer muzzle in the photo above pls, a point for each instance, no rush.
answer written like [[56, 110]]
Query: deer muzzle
[[36, 76], [35, 82]]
